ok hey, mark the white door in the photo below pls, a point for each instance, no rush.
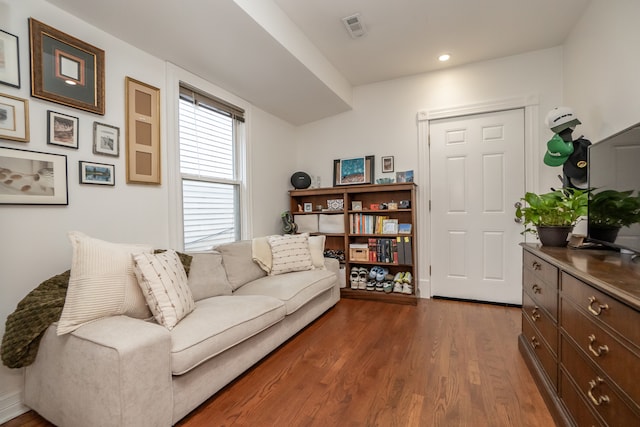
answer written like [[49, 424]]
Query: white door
[[477, 174]]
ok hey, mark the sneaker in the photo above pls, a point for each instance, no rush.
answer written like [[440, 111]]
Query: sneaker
[[362, 278], [379, 286], [398, 277], [407, 277], [407, 289], [373, 272], [397, 287], [388, 287], [371, 285], [382, 272], [354, 278]]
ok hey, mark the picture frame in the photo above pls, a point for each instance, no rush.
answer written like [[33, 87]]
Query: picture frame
[[14, 118], [356, 205], [106, 139], [353, 171], [10, 59], [62, 129], [389, 226], [142, 133], [387, 164], [96, 173], [66, 70], [406, 176], [308, 207], [35, 178]]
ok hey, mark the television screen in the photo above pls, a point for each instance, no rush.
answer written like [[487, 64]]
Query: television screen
[[614, 180]]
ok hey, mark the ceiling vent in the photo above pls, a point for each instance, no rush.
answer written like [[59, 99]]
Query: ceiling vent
[[354, 25]]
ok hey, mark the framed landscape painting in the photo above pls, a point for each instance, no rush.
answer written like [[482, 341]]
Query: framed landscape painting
[[358, 170]]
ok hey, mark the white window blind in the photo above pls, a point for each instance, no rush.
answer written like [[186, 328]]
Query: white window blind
[[208, 132]]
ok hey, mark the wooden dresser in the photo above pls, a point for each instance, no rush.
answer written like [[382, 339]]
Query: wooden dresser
[[581, 333]]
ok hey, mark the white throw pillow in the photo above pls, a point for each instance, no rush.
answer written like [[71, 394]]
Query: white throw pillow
[[316, 245], [101, 282], [164, 284], [290, 253], [261, 252]]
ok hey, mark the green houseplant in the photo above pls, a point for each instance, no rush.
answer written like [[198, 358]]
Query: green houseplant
[[551, 216], [610, 210]]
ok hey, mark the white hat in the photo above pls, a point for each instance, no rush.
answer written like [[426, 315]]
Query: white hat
[[561, 118]]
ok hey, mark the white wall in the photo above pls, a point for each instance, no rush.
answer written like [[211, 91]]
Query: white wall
[[34, 238], [602, 68], [383, 121]]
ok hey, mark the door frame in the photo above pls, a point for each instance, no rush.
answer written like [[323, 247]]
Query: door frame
[[529, 103]]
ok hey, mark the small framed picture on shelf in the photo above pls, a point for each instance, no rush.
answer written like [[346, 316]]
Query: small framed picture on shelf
[[404, 228], [308, 207], [390, 226], [387, 164], [392, 206], [356, 205]]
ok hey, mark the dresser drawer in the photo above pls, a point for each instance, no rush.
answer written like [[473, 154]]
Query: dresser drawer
[[542, 323], [579, 409], [602, 308], [601, 396], [541, 268], [616, 359], [543, 353], [542, 292]]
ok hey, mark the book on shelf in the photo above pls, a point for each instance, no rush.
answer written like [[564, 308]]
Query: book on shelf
[[389, 250], [366, 224]]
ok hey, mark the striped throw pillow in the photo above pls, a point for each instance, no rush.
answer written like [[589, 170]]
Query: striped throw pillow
[[290, 253]]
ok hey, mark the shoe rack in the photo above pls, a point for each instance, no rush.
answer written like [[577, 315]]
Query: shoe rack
[[347, 216]]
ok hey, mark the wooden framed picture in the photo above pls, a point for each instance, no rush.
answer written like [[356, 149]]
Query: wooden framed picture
[[356, 205], [9, 60], [106, 139], [32, 178], [387, 164], [62, 130], [96, 173], [358, 170], [14, 118], [66, 70], [142, 132], [308, 207]]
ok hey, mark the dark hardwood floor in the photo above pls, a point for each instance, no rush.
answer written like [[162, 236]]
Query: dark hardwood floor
[[365, 363]]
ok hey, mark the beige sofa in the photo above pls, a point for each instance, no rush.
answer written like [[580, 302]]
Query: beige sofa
[[122, 371]]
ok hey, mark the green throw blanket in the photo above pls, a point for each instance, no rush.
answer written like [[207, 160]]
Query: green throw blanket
[[33, 315], [39, 309]]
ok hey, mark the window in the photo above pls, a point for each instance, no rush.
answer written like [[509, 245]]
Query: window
[[210, 131]]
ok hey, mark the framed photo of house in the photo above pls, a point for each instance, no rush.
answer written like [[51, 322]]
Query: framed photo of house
[[387, 164], [97, 173], [14, 118], [62, 130], [36, 178], [358, 170], [9, 60], [106, 139], [66, 70]]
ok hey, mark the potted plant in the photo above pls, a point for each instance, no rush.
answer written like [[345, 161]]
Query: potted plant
[[552, 216], [610, 210]]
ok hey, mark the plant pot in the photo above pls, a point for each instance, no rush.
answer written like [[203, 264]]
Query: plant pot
[[604, 233], [554, 235]]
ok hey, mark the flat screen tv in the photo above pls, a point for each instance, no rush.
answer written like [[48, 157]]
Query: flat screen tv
[[614, 180]]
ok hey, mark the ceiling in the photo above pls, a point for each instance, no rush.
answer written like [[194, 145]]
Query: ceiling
[[295, 59]]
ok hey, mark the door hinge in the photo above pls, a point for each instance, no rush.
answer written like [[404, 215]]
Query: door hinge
[[429, 205]]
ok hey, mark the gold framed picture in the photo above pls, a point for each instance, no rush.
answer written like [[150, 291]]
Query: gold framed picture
[[66, 70], [14, 118]]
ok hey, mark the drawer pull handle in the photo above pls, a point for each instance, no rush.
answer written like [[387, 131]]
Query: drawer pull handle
[[598, 307], [536, 289], [597, 400], [536, 265], [597, 352], [534, 342], [534, 314]]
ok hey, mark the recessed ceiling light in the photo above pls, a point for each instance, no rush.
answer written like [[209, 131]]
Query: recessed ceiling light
[[444, 57]]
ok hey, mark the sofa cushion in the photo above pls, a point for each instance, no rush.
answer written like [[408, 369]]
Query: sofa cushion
[[207, 277], [238, 263], [218, 324], [261, 252], [290, 253], [164, 284], [294, 289], [101, 282]]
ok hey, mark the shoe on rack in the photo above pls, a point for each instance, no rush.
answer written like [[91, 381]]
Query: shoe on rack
[[362, 276], [373, 272], [382, 272], [387, 287], [379, 286], [398, 277], [397, 287], [407, 278], [371, 285], [407, 289], [354, 278]]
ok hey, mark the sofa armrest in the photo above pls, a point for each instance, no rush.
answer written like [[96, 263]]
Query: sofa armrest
[[333, 265], [114, 371]]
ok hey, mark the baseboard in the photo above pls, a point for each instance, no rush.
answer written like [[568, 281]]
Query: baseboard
[[11, 406]]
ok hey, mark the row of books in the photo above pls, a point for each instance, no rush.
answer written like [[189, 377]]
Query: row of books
[[366, 224], [395, 250]]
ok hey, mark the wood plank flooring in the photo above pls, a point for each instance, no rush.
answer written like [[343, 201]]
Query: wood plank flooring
[[366, 363]]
